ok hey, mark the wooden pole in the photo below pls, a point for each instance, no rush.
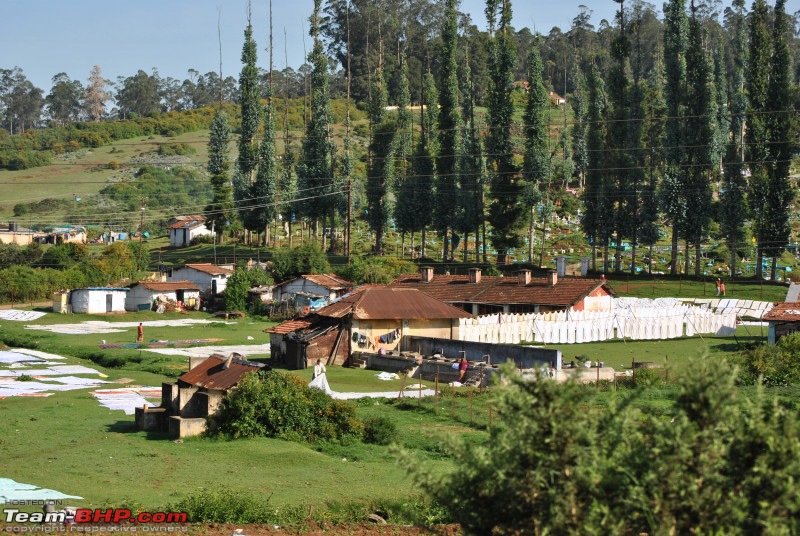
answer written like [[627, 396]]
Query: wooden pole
[[471, 390], [435, 391], [420, 388], [452, 402]]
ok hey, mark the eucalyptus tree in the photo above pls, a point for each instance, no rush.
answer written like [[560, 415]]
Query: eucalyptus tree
[[63, 103], [95, 95], [138, 94], [447, 162], [505, 191], [404, 213]]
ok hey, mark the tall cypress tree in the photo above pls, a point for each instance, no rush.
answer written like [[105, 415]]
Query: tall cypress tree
[[756, 134], [380, 170], [782, 138], [505, 210], [315, 169], [536, 160], [404, 210], [618, 141], [423, 166], [264, 190], [220, 210], [579, 105], [472, 171], [700, 132], [733, 206], [250, 104], [447, 178], [673, 187], [596, 221]]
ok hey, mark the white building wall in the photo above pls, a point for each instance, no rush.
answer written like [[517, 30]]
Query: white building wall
[[94, 301], [201, 279]]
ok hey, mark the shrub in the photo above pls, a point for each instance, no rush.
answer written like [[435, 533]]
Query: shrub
[[175, 148], [224, 506], [277, 404], [379, 430]]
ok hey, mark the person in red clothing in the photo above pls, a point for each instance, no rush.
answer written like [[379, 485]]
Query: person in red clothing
[[140, 333], [462, 369]]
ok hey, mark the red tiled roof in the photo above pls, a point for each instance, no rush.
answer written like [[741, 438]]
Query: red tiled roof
[[383, 303], [167, 286], [187, 224], [210, 269], [288, 326], [784, 312], [212, 374], [503, 290]]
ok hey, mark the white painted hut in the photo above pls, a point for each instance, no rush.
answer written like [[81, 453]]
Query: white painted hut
[[98, 300], [144, 293]]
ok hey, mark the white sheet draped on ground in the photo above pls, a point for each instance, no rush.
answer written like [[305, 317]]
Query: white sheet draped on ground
[[127, 399], [11, 490], [20, 316], [630, 318], [321, 382], [44, 374], [100, 327], [206, 351]]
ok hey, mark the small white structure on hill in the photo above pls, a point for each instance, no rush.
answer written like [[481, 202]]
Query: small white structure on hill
[[144, 293], [182, 229], [97, 300], [206, 276]]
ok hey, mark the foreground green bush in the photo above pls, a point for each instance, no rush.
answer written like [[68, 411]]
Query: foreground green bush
[[277, 404], [556, 463], [776, 365]]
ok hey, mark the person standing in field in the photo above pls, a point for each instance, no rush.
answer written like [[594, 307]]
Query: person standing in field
[[722, 287], [719, 285], [140, 333]]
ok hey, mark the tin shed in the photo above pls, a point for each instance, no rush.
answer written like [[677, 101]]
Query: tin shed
[[98, 300]]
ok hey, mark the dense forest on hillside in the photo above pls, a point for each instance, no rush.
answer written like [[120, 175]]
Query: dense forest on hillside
[[644, 129]]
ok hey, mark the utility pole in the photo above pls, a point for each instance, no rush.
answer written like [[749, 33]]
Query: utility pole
[[141, 230]]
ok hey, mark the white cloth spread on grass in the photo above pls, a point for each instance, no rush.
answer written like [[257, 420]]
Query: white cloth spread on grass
[[321, 382], [17, 491], [20, 316], [126, 400]]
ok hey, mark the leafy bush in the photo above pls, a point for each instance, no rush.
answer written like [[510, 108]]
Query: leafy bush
[[717, 463], [376, 270], [277, 404], [175, 149], [224, 506], [307, 259], [777, 364], [379, 430]]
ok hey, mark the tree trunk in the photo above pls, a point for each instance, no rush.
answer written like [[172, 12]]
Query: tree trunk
[[686, 257], [594, 257], [759, 259], [732, 245], [774, 268], [633, 257], [424, 244], [605, 257], [673, 265], [697, 259], [530, 238]]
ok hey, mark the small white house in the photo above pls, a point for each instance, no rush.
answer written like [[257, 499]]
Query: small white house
[[312, 290], [206, 276], [143, 294], [97, 300], [183, 229]]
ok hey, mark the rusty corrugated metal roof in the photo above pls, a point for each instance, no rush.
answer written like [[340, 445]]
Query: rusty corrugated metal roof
[[164, 286], [210, 269], [212, 374], [504, 290], [288, 326], [329, 281], [784, 312], [384, 303]]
